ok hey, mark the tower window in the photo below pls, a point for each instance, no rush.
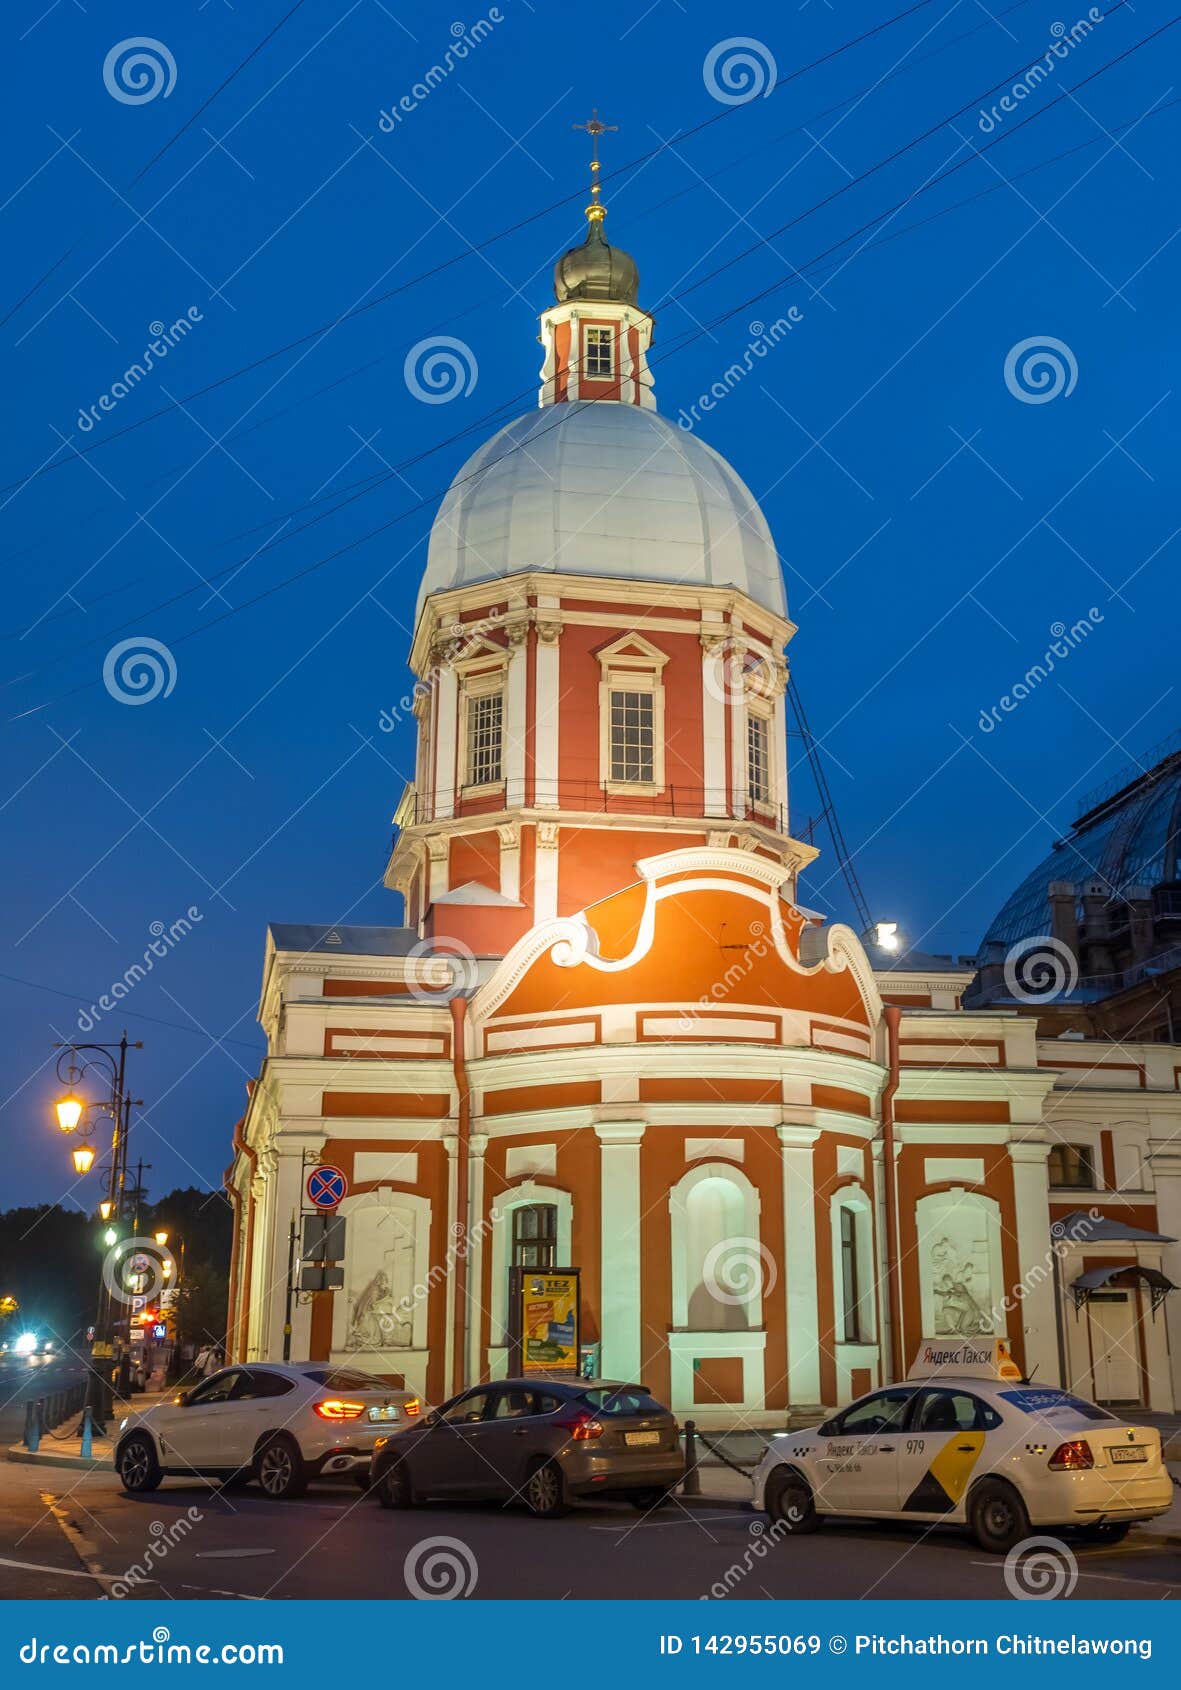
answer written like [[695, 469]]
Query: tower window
[[758, 759], [633, 737], [599, 353], [485, 734]]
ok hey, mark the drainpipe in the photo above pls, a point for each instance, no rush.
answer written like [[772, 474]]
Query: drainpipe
[[893, 1017], [459, 1378]]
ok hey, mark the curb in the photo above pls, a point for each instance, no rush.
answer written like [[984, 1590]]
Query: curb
[[49, 1458]]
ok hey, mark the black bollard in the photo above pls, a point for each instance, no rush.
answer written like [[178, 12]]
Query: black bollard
[[691, 1484]]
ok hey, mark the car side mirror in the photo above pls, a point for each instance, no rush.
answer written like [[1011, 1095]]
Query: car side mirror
[[827, 1429], [434, 1418], [181, 1399]]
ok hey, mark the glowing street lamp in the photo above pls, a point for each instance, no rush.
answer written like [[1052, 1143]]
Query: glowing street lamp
[[104, 1209], [161, 1239], [110, 1237], [84, 1158], [69, 1111]]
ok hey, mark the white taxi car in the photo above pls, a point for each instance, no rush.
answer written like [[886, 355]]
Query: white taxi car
[[281, 1424], [965, 1439]]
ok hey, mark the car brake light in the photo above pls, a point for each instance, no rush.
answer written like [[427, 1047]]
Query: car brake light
[[334, 1409], [412, 1408], [585, 1428], [1072, 1457]]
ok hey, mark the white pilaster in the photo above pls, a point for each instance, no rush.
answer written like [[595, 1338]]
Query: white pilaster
[[451, 1146], [620, 1263], [545, 727], [1035, 1312], [713, 722], [545, 872], [799, 1231], [515, 725], [473, 1244], [446, 740], [736, 706]]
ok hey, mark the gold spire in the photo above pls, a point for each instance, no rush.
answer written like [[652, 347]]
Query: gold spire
[[596, 210]]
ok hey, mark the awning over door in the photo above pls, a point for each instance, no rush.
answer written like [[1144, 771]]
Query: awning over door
[[1094, 1279]]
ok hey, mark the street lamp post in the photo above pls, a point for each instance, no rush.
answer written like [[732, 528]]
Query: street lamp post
[[110, 1060]]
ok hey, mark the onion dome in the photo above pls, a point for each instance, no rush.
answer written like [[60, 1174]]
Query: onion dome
[[595, 270]]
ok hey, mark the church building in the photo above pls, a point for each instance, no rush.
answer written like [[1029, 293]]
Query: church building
[[611, 1038]]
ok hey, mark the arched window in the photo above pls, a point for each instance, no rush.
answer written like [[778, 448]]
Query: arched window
[[719, 1267]]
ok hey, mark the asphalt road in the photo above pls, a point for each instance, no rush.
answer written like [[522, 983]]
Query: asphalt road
[[192, 1540]]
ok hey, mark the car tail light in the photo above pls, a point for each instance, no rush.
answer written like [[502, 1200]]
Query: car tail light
[[584, 1429], [1072, 1457], [334, 1409], [412, 1409]]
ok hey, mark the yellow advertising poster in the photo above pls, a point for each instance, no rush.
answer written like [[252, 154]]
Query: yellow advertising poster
[[549, 1322]]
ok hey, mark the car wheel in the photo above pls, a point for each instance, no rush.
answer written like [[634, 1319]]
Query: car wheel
[[279, 1468], [645, 1500], [137, 1464], [789, 1502], [545, 1491], [998, 1516], [392, 1488], [1106, 1531]]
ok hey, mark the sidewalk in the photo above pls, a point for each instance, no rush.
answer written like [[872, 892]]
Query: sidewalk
[[63, 1447]]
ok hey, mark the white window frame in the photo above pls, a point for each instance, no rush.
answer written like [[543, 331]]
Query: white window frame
[[632, 664], [486, 683], [760, 709], [600, 329]]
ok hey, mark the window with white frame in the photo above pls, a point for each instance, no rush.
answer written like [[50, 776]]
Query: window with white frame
[[758, 758], [600, 357], [484, 729], [631, 716], [633, 737]]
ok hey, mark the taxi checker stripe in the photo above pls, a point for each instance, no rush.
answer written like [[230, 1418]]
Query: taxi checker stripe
[[946, 1479]]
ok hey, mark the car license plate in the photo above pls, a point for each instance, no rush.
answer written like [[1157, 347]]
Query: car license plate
[[635, 1439], [1128, 1452], [387, 1411]]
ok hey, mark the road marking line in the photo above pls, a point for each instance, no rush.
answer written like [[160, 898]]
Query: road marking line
[[689, 1520], [1103, 1578]]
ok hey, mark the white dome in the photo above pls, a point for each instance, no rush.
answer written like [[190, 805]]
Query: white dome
[[602, 488]]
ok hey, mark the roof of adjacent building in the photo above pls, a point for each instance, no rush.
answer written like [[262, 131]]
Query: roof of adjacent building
[[603, 488], [356, 941], [1127, 835]]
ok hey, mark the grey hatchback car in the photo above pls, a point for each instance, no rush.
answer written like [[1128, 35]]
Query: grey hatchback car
[[541, 1441]]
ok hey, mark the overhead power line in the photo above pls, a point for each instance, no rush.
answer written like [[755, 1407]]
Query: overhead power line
[[687, 338]]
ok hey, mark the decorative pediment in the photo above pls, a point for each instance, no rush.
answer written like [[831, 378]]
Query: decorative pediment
[[704, 926], [631, 651]]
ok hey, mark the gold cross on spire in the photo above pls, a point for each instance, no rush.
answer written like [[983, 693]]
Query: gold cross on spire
[[596, 211]]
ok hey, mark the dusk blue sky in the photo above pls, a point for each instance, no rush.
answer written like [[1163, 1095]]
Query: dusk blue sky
[[933, 526]]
